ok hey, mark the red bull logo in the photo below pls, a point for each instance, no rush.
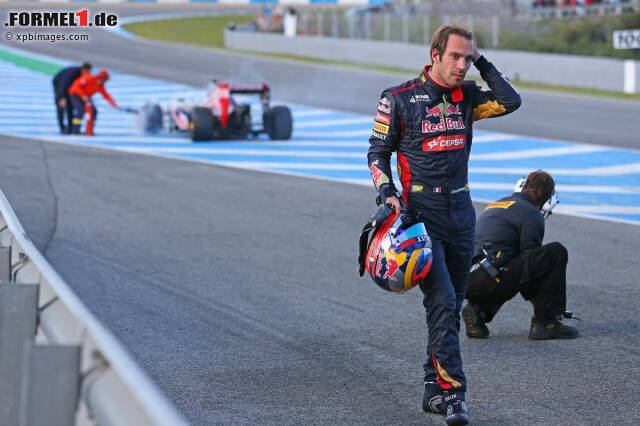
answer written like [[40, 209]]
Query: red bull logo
[[392, 268], [436, 111], [453, 110], [442, 125]]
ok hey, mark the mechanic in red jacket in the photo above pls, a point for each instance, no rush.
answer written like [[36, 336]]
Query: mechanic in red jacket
[[81, 91]]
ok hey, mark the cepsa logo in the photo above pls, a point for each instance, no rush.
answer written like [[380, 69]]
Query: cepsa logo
[[81, 18]]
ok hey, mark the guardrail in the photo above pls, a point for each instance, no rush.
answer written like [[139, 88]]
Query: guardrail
[[58, 364]]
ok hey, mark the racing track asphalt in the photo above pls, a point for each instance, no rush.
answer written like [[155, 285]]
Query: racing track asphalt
[[237, 291]]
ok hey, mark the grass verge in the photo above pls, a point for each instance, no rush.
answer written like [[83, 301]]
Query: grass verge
[[29, 63], [205, 31]]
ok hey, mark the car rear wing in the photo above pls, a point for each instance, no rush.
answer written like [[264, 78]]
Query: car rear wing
[[248, 89]]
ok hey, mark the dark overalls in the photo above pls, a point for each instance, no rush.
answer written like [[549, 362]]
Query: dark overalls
[[61, 83], [430, 129], [511, 231]]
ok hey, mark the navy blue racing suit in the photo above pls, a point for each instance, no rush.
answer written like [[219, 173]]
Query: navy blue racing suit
[[430, 129], [61, 83]]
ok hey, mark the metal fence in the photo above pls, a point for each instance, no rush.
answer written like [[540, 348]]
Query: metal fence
[[414, 23]]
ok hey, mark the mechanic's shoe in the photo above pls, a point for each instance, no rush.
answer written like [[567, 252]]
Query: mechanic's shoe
[[474, 321], [551, 329], [432, 401], [457, 413]]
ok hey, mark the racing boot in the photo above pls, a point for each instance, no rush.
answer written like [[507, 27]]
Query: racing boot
[[474, 321], [432, 401], [551, 329], [76, 122], [457, 413]]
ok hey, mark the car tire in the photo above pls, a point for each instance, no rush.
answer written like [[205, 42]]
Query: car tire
[[201, 126], [278, 123]]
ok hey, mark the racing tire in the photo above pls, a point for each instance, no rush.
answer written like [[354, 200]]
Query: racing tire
[[152, 118], [201, 126], [278, 123], [246, 125]]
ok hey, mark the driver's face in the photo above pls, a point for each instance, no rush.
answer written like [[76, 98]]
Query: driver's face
[[454, 63]]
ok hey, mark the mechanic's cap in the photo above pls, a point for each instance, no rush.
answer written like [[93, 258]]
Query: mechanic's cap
[[103, 75]]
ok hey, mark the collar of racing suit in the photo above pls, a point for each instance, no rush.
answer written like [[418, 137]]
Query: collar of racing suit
[[425, 78]]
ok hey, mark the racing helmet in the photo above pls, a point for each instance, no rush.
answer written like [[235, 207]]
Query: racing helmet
[[398, 256], [103, 75]]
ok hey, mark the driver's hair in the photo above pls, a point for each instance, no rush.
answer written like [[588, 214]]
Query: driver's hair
[[539, 185], [441, 36]]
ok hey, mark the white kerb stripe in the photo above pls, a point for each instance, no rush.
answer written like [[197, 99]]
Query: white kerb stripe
[[538, 153], [248, 152], [615, 170], [336, 122]]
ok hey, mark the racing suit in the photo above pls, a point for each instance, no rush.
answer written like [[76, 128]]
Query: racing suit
[[85, 87], [61, 83], [510, 231], [430, 128]]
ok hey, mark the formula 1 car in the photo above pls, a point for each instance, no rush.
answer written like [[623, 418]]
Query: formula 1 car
[[219, 115]]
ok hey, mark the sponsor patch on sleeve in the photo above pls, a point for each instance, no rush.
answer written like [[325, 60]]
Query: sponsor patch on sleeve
[[383, 118], [378, 177], [500, 205], [380, 128], [379, 135]]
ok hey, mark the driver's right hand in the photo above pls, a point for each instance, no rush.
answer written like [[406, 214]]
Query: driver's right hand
[[394, 202]]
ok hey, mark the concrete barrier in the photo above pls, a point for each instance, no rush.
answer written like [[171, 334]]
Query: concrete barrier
[[550, 68]]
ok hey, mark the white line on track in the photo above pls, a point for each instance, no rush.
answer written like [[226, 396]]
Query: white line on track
[[590, 189], [260, 152], [282, 165], [336, 122], [615, 170], [335, 134], [538, 153], [508, 187], [494, 137], [575, 208]]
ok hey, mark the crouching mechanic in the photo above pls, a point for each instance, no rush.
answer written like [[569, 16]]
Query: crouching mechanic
[[81, 91], [428, 122], [509, 258]]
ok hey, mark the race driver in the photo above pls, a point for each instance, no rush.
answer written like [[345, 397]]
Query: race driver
[[428, 122], [81, 91]]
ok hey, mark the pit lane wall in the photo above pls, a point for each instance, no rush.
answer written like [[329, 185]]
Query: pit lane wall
[[548, 68], [58, 364]]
